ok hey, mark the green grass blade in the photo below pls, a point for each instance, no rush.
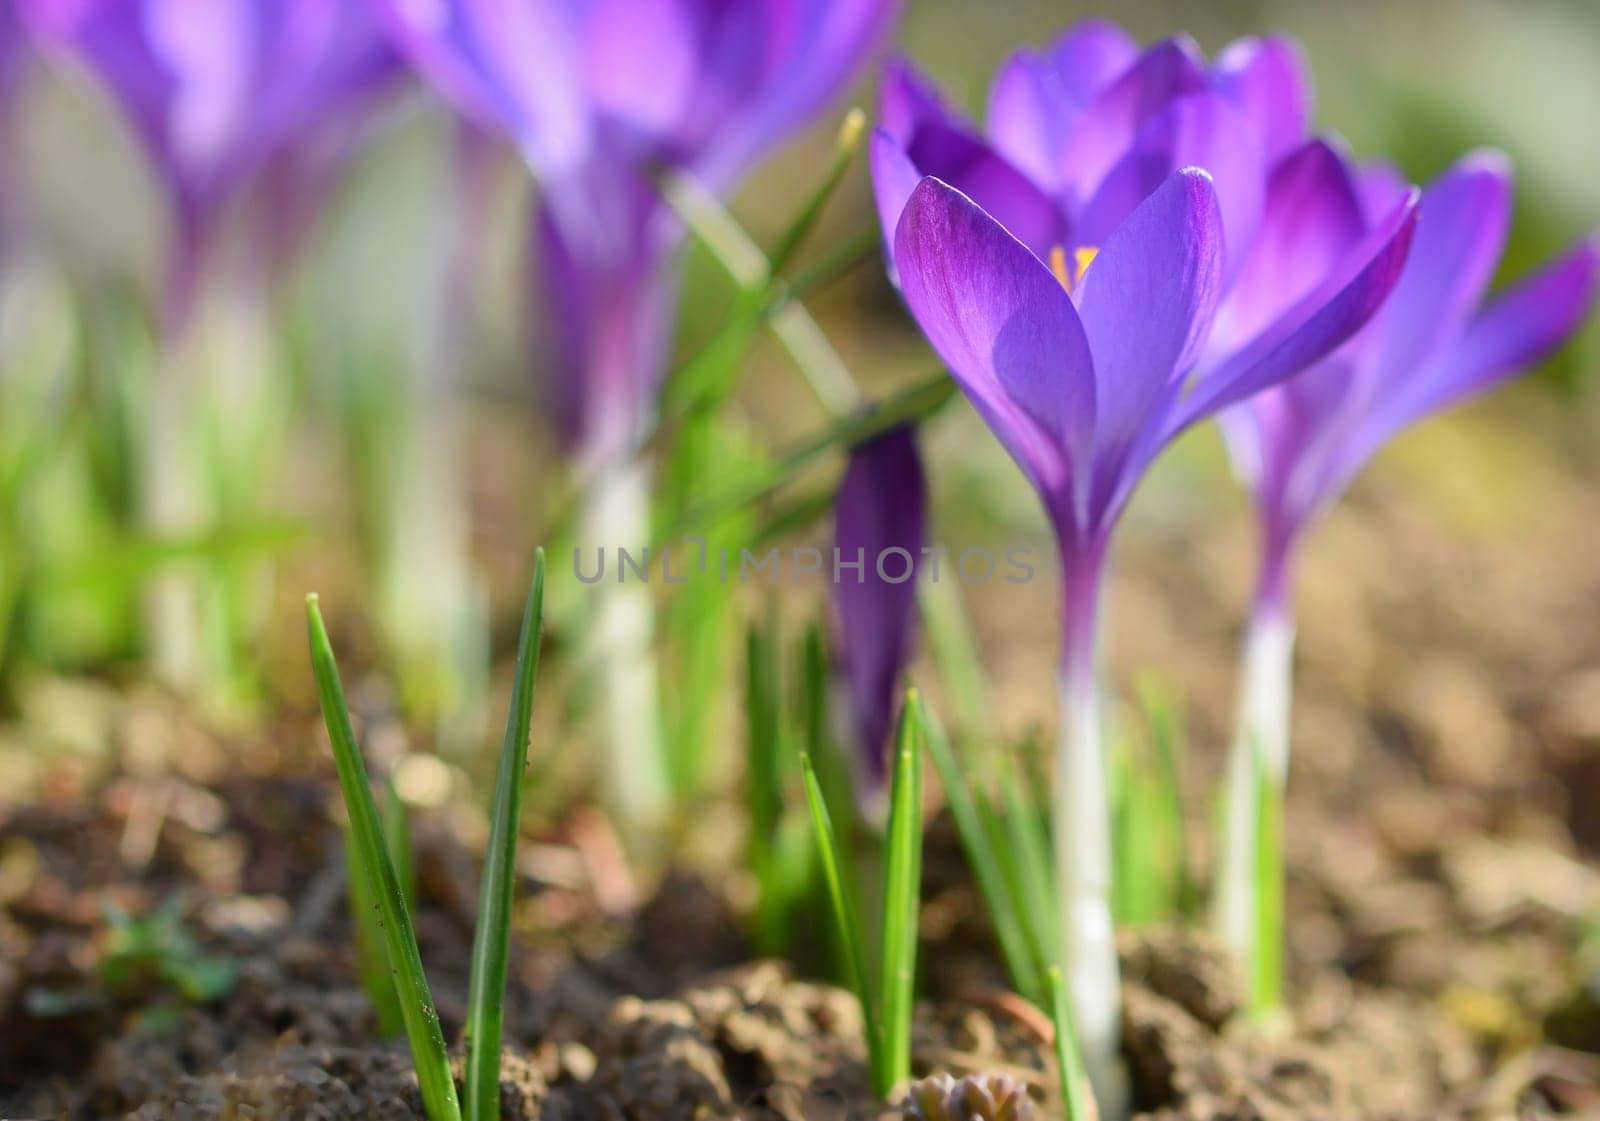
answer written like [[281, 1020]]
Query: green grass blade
[[492, 936], [707, 378], [372, 961], [997, 830], [1005, 910], [397, 836], [1076, 1095], [844, 911], [1131, 873], [959, 657], [791, 325], [844, 152], [1026, 834], [902, 897], [417, 1010], [838, 260], [764, 766], [813, 692], [1164, 718]]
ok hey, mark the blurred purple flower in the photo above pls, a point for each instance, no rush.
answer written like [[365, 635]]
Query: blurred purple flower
[[13, 52], [1434, 344], [223, 92], [14, 55], [878, 523], [597, 94]]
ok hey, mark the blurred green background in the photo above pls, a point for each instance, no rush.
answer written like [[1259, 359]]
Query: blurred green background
[[1418, 82]]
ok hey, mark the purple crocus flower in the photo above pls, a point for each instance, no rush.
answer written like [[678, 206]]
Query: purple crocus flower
[[1298, 445], [878, 529], [223, 93], [598, 94], [225, 97], [1068, 270]]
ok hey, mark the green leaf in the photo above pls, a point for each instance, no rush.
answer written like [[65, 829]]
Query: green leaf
[[902, 897], [698, 620], [1164, 719], [1006, 913], [1030, 844], [956, 652], [844, 913], [1076, 1095], [765, 757], [428, 1054], [840, 258], [845, 147], [397, 835], [492, 936], [708, 379], [372, 961]]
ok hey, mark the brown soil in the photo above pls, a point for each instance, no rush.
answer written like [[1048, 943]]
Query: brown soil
[[652, 1024]]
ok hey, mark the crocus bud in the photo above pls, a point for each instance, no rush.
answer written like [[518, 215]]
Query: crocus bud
[[878, 535], [977, 1097]]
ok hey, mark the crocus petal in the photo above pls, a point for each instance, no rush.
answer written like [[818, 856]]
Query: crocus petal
[[1286, 441], [476, 53], [894, 177], [1519, 329], [1462, 223], [639, 62], [11, 48], [1311, 218], [219, 91], [1038, 96], [1089, 55], [607, 308], [1008, 331], [1267, 79], [1200, 130], [1147, 303], [878, 518], [938, 143], [1313, 327], [1382, 188], [1029, 117], [1167, 70], [811, 51]]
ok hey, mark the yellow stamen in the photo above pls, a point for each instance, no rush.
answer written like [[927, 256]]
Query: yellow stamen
[[1058, 265], [1083, 258]]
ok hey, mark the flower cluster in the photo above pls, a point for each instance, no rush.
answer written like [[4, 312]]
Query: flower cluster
[[1138, 239], [1141, 239]]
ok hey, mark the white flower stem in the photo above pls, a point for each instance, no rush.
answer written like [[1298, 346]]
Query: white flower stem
[[616, 514], [1082, 831], [1257, 769]]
